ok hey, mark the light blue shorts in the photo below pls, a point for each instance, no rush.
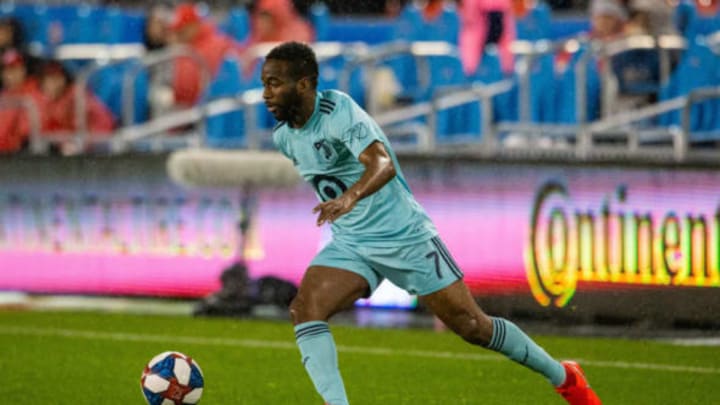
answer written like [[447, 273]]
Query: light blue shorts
[[420, 268]]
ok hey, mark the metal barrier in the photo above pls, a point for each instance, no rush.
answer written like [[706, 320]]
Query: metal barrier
[[429, 109], [99, 52], [128, 132], [582, 136], [679, 137], [420, 50], [134, 133], [154, 59]]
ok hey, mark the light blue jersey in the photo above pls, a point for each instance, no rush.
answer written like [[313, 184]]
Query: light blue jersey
[[325, 151]]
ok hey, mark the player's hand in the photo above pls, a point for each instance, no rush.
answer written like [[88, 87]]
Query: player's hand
[[333, 209]]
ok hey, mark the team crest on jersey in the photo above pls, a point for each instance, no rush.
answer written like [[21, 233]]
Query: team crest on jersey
[[325, 151]]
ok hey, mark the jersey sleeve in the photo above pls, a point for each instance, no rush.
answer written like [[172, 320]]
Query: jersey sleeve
[[356, 129]]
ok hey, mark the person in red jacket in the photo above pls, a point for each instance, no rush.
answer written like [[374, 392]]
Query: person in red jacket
[[59, 104], [278, 21], [203, 38], [15, 125], [273, 21]]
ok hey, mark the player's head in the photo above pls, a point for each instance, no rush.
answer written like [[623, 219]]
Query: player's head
[[289, 73]]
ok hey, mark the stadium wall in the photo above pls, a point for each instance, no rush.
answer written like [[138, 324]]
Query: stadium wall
[[615, 243]]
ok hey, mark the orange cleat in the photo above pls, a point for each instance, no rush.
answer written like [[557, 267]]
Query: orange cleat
[[576, 389]]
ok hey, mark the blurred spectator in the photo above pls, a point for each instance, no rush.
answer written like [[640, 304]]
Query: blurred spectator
[[431, 9], [17, 84], [278, 21], [607, 19], [393, 8], [636, 70], [59, 104], [13, 37], [522, 7], [485, 22], [155, 31], [273, 21], [156, 36], [11, 34], [708, 8], [650, 17], [202, 37]]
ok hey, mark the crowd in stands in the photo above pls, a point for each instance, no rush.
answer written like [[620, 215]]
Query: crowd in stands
[[52, 92], [485, 29]]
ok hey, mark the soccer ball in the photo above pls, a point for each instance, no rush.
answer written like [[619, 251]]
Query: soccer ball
[[172, 378]]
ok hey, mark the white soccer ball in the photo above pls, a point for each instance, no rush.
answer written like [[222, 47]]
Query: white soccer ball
[[172, 378]]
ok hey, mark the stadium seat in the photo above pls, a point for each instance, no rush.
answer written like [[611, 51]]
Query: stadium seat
[[447, 72], [541, 93], [446, 27], [490, 71], [407, 27], [237, 23], [409, 24], [35, 21], [461, 123], [536, 24], [332, 69], [320, 19], [107, 85], [698, 68], [80, 23], [565, 93], [121, 26], [691, 24], [226, 130]]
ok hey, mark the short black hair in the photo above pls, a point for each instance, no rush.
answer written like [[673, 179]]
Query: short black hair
[[303, 62], [18, 35]]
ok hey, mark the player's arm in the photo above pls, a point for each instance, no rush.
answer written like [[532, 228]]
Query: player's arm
[[379, 170]]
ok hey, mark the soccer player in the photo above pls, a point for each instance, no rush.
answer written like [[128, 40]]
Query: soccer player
[[379, 231]]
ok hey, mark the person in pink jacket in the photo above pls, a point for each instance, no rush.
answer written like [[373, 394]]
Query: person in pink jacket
[[484, 22], [192, 30]]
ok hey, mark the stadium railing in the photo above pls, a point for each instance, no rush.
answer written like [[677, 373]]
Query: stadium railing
[[419, 118]]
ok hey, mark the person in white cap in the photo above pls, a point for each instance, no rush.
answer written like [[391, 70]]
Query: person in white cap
[[607, 19]]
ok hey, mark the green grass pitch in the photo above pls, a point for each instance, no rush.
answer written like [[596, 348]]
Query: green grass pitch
[[96, 358]]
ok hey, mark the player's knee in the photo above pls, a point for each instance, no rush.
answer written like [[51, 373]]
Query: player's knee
[[302, 310], [297, 310]]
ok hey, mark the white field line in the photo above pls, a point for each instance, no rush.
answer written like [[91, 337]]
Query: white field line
[[287, 345], [709, 341]]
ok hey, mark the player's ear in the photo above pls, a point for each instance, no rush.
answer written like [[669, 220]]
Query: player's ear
[[304, 84]]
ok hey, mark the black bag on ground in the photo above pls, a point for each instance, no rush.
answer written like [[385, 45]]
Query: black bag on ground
[[232, 299], [274, 291]]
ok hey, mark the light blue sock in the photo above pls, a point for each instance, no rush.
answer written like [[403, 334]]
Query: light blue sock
[[509, 340], [319, 356]]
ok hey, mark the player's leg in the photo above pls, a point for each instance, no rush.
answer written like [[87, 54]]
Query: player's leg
[[323, 292], [456, 307]]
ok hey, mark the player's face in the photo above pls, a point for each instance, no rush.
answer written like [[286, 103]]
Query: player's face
[[280, 91]]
